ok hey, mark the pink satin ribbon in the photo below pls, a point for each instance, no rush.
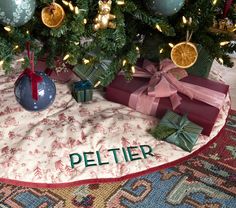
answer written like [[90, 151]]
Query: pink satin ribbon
[[164, 84]]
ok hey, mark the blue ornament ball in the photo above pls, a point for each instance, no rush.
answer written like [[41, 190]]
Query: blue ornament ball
[[46, 93], [16, 12], [164, 7]]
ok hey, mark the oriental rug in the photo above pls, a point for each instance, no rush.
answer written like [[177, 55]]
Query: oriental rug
[[205, 181], [71, 144]]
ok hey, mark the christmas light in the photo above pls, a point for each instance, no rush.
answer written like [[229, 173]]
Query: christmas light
[[161, 50], [65, 2], [137, 48], [171, 45], [76, 10], [71, 6], [133, 69], [27, 32], [97, 84], [120, 2], [221, 60], [16, 47], [184, 19], [214, 2], [124, 62], [7, 28], [20, 60], [85, 61], [224, 43], [158, 27], [66, 57], [1, 62], [85, 21]]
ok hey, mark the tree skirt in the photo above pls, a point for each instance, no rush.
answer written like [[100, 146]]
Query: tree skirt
[[72, 143]]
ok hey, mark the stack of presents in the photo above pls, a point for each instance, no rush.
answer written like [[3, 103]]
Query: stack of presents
[[187, 105]]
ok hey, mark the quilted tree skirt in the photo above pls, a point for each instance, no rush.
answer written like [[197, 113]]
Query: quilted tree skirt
[[71, 143]]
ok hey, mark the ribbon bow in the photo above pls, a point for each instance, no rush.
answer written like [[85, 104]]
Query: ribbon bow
[[34, 78], [164, 84]]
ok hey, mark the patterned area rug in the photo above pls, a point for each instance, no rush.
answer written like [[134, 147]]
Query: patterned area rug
[[206, 181]]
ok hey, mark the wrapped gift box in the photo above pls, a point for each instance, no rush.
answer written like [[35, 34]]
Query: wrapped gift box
[[82, 91], [177, 130], [203, 114]]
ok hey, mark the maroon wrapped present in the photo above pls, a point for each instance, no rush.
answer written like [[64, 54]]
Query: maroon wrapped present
[[199, 112]]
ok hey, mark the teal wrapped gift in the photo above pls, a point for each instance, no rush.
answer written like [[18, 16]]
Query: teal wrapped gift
[[177, 130], [82, 91]]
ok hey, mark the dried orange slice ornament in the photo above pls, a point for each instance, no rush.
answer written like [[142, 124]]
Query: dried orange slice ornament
[[53, 15], [184, 54]]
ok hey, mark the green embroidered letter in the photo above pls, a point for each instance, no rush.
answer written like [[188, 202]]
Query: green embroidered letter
[[132, 155], [99, 159], [114, 153], [147, 152], [86, 160], [125, 155], [72, 159]]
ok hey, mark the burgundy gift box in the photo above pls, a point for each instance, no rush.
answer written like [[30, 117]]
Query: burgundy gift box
[[119, 91], [62, 76]]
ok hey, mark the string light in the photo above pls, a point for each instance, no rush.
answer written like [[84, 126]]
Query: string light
[[97, 84], [224, 43], [66, 57], [65, 2], [1, 62], [85, 61], [221, 60], [133, 69], [161, 50], [20, 60], [137, 48], [158, 27], [85, 21], [76, 10], [71, 6], [124, 62], [16, 47], [184, 19], [214, 2], [120, 2], [171, 45], [7, 28], [27, 32]]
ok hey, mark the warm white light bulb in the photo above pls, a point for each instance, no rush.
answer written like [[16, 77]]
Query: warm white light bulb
[[158, 27], [66, 57]]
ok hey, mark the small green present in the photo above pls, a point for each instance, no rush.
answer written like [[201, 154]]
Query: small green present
[[82, 91], [177, 130]]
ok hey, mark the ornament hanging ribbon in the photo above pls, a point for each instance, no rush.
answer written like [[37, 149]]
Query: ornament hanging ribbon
[[164, 84], [34, 78], [227, 6]]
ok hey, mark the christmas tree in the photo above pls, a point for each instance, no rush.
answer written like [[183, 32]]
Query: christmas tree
[[73, 31]]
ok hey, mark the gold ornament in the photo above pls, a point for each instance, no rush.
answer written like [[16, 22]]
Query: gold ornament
[[103, 19], [53, 15]]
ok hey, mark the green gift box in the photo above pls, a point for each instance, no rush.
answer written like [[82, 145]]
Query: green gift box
[[203, 64], [177, 130], [94, 69], [82, 91]]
